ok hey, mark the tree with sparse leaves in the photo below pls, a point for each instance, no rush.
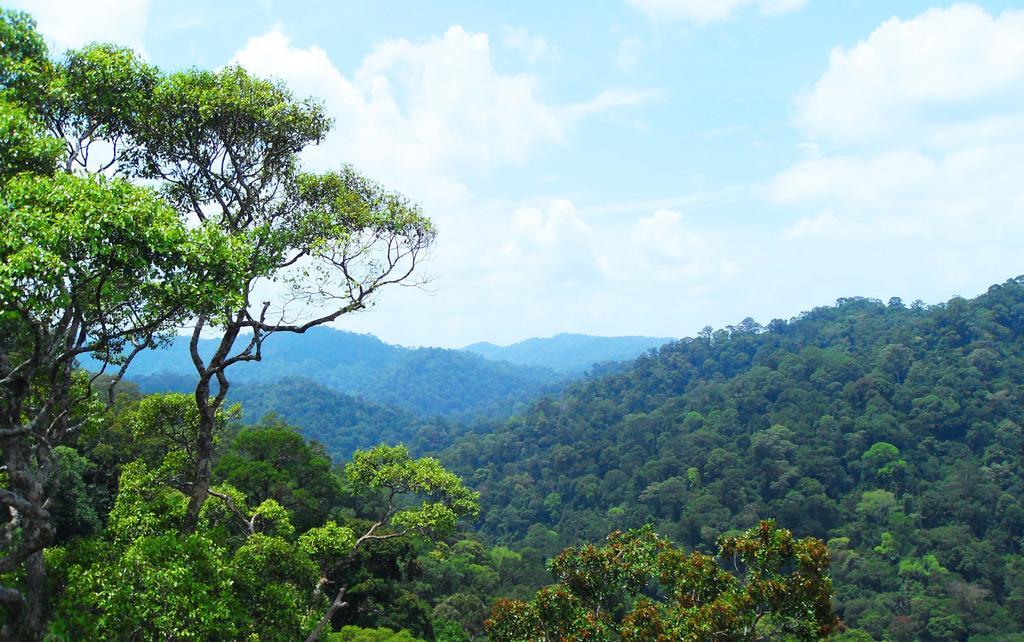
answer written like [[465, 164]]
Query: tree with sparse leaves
[[224, 147]]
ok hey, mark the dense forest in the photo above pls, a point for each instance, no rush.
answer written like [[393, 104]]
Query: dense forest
[[342, 423], [891, 431], [854, 473]]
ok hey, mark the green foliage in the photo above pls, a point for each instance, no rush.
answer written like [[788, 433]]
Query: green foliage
[[98, 91], [273, 461], [342, 423], [358, 634], [106, 237], [160, 424], [76, 510], [145, 505], [160, 587], [25, 68], [23, 145], [273, 579], [277, 571], [780, 590], [892, 429], [392, 470], [328, 545], [95, 264]]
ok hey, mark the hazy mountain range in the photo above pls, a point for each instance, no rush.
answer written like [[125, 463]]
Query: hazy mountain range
[[482, 379], [568, 353]]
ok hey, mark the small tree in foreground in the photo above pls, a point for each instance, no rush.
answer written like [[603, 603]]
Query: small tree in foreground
[[640, 588], [391, 472]]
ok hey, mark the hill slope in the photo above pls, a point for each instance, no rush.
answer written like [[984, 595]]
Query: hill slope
[[425, 381], [340, 422], [570, 353], [894, 432]]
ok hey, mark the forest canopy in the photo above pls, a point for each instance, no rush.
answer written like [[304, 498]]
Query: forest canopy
[[855, 472]]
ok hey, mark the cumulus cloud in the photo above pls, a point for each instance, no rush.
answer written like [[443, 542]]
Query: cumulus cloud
[[557, 270], [423, 115], [915, 146], [702, 12], [918, 77], [69, 25], [432, 118], [549, 244], [663, 237], [554, 245]]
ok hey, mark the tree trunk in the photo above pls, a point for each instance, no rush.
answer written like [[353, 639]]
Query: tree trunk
[[339, 602], [204, 456], [37, 532], [35, 596]]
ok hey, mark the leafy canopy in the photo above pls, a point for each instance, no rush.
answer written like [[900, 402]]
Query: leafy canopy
[[639, 587]]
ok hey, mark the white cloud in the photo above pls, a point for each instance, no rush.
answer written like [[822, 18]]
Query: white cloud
[[558, 270], [552, 246], [663, 237], [910, 78], [67, 25], [422, 116], [431, 118], [703, 12], [533, 48], [555, 246], [856, 179], [914, 154]]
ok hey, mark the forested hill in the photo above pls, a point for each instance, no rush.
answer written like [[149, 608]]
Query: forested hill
[[570, 353], [342, 423], [894, 432], [424, 381]]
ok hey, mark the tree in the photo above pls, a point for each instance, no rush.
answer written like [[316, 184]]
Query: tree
[[392, 474], [273, 461], [247, 572], [777, 588], [224, 146], [90, 265]]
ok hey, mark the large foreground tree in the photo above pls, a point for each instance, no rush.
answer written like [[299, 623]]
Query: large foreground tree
[[135, 201], [90, 265]]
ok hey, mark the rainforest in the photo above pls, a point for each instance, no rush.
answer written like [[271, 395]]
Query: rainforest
[[193, 450]]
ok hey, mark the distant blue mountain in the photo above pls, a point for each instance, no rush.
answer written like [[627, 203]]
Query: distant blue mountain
[[569, 353], [424, 381]]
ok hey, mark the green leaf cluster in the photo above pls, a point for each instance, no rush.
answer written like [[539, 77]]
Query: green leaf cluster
[[779, 590]]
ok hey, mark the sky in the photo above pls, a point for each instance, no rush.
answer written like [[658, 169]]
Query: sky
[[642, 167]]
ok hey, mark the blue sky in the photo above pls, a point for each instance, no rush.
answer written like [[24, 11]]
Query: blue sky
[[644, 166]]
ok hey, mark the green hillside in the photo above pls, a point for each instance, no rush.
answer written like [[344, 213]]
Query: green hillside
[[893, 432], [340, 422]]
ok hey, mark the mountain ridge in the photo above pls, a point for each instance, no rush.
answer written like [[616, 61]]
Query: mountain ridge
[[422, 381], [569, 352]]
